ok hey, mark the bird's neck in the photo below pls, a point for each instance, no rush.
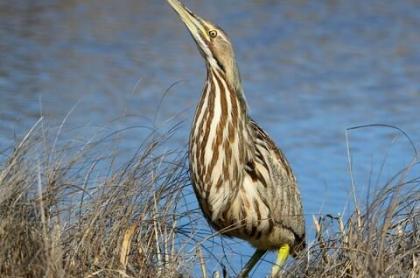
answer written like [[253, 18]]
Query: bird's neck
[[222, 107], [219, 140], [231, 77], [230, 73]]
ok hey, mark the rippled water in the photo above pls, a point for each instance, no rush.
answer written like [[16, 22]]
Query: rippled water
[[310, 70]]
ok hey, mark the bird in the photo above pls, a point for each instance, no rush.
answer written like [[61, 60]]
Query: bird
[[243, 182]]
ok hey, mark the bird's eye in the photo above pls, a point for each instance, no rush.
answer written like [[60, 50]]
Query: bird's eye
[[213, 33]]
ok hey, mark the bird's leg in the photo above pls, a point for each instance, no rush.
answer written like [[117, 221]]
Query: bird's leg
[[281, 259], [251, 263]]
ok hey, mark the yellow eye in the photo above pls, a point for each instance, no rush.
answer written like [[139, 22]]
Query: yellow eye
[[213, 33]]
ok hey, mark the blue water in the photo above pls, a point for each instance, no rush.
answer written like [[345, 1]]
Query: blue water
[[310, 69]]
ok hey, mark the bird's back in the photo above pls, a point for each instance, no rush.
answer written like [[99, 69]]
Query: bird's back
[[279, 189]]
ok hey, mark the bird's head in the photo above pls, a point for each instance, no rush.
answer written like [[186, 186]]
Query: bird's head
[[211, 40]]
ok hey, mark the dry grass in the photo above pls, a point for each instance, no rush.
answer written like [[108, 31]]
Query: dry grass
[[80, 215], [382, 240], [61, 218]]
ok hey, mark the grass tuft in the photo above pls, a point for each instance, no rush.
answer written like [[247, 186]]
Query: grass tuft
[[74, 211], [380, 240], [66, 214]]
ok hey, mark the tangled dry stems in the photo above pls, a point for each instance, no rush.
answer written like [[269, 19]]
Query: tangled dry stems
[[382, 240], [60, 217]]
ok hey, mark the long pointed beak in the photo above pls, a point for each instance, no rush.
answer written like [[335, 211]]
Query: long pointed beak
[[193, 22]]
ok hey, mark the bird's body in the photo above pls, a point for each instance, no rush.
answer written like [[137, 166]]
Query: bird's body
[[243, 182]]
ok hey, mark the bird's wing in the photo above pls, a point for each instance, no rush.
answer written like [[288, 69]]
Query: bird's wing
[[279, 186]]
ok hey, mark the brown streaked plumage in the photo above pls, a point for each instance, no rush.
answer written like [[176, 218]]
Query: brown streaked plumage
[[243, 182]]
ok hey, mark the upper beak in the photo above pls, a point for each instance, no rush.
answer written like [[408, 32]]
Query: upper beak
[[193, 22]]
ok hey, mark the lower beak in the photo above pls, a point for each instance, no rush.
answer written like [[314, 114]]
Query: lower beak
[[193, 22]]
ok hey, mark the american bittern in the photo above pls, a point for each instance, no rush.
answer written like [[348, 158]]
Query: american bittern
[[243, 182]]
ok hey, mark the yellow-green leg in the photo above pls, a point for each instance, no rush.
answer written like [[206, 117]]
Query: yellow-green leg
[[251, 263], [281, 259]]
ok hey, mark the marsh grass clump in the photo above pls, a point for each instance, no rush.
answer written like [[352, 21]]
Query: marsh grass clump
[[380, 240], [71, 213], [74, 211]]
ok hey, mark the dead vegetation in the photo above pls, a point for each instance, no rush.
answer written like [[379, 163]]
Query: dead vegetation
[[61, 218], [380, 240], [75, 213]]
